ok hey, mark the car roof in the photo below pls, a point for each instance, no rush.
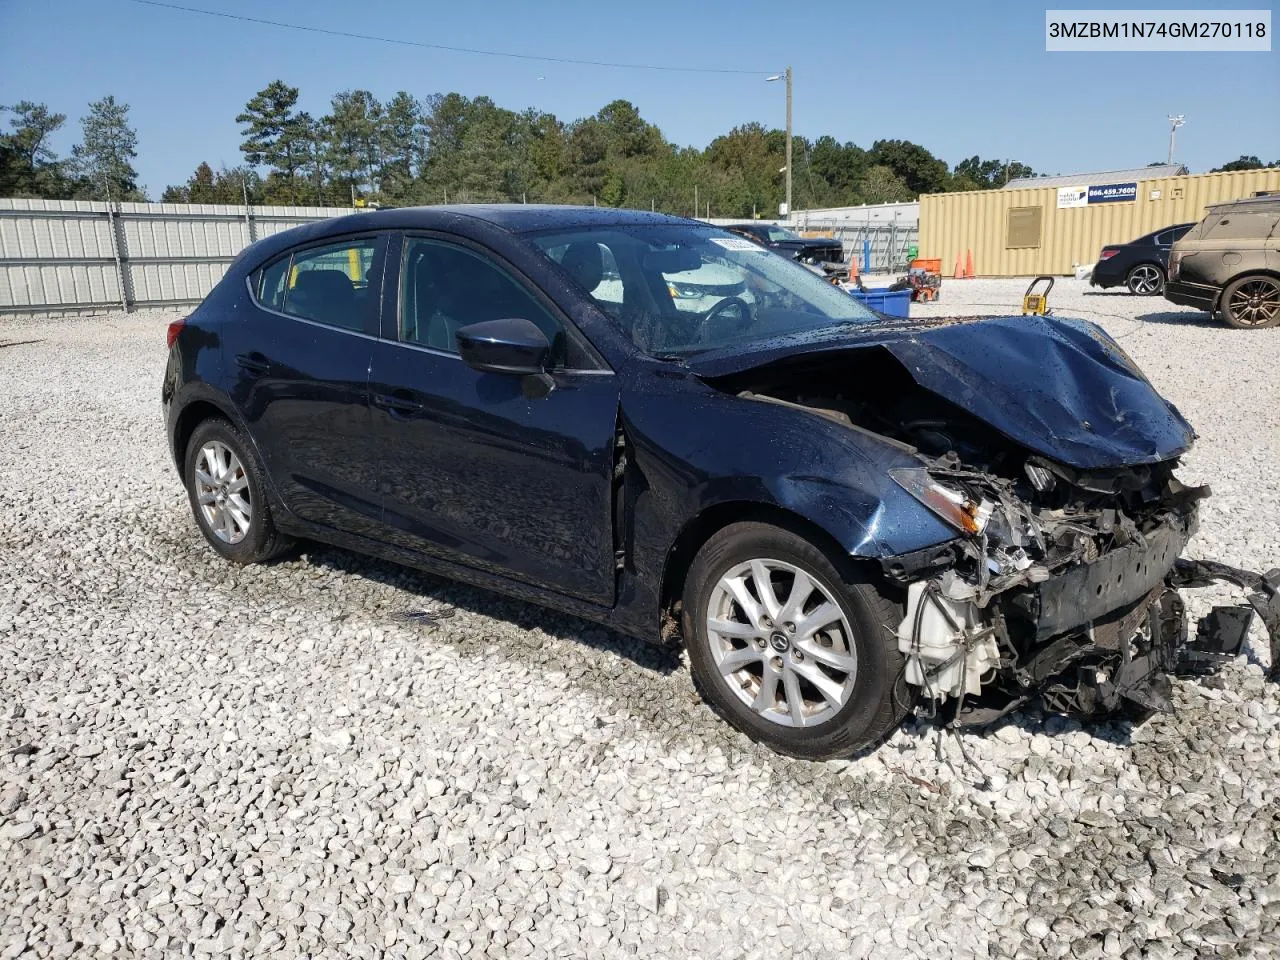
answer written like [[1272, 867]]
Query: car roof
[[517, 218], [1264, 202]]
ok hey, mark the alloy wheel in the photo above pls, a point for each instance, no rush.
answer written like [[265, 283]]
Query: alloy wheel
[[1145, 280], [1255, 303], [781, 643], [222, 492]]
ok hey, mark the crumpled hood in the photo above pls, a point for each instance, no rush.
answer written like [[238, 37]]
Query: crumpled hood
[[1062, 388]]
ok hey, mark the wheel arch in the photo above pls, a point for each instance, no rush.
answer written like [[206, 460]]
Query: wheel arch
[[191, 416], [701, 528]]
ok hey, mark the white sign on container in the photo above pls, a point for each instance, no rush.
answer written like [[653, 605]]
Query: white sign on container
[[1072, 197]]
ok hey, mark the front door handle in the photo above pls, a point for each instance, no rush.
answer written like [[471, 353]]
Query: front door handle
[[254, 363], [400, 403]]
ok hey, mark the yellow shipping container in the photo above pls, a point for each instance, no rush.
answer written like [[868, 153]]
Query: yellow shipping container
[[1022, 233]]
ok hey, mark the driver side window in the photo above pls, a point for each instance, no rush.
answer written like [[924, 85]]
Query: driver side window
[[446, 287]]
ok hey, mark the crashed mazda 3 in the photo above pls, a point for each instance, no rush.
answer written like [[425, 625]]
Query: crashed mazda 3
[[657, 425]]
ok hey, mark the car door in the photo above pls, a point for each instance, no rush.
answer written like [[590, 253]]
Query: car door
[[300, 359], [487, 469]]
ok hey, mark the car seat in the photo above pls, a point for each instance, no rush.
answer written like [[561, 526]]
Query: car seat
[[326, 296]]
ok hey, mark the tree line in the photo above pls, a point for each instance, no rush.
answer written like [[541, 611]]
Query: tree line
[[451, 148]]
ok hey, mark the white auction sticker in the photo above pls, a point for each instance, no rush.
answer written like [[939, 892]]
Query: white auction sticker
[[739, 244], [1153, 30]]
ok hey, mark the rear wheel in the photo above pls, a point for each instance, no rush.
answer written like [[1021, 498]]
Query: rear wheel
[[1145, 280], [227, 495], [796, 648], [1251, 303]]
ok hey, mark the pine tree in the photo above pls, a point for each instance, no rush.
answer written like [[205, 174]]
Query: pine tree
[[273, 137], [105, 157]]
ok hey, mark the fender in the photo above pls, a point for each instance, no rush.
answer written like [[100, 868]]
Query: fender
[[679, 472], [199, 391]]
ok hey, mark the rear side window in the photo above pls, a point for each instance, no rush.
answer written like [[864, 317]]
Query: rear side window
[[329, 284], [1167, 237], [1241, 224]]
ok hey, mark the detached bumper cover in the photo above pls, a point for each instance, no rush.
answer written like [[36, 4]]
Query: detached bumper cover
[[1223, 631]]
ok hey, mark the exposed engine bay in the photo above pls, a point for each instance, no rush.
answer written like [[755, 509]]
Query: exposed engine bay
[[1061, 584]]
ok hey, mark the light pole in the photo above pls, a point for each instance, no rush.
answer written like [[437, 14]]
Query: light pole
[[1007, 164], [1175, 121], [786, 76]]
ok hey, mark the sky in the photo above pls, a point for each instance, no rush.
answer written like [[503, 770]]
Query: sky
[[959, 78]]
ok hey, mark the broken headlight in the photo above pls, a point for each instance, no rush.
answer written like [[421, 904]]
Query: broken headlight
[[954, 506]]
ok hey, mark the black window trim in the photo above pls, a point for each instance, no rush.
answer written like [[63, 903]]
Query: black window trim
[[521, 280], [380, 249]]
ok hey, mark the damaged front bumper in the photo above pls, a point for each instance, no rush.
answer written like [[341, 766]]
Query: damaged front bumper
[[1092, 636]]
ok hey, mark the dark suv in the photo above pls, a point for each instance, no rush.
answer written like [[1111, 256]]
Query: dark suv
[[1141, 265], [791, 244], [1229, 263]]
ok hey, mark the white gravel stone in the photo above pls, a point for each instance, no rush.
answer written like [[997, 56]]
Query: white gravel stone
[[335, 757]]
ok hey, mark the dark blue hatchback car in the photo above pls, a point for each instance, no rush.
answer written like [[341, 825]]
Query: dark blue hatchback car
[[657, 425]]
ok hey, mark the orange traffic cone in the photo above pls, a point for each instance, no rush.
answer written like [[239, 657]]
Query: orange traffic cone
[[853, 268], [968, 264], [959, 275]]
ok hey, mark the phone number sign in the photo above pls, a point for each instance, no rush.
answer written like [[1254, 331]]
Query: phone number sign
[[1112, 192]]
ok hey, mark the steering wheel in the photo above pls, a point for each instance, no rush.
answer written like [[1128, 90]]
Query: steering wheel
[[745, 316]]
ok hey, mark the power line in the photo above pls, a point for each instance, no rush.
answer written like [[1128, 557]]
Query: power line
[[442, 46]]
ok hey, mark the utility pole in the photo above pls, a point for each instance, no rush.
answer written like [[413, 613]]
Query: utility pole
[[1175, 121], [789, 214], [786, 76]]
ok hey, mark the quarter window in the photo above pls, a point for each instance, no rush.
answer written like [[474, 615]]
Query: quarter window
[[270, 287], [446, 287]]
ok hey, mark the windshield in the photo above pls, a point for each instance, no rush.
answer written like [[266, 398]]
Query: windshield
[[781, 233], [679, 289]]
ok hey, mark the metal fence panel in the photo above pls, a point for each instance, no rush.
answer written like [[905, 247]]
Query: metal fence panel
[[889, 243], [65, 256]]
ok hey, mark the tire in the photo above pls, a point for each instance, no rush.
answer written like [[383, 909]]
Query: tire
[[1251, 303], [863, 705], [1145, 280], [220, 464]]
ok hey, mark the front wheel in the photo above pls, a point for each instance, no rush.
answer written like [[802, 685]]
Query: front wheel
[[1145, 280], [1251, 303], [796, 648]]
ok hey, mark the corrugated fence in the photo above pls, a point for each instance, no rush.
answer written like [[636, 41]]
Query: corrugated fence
[[79, 256], [1020, 233]]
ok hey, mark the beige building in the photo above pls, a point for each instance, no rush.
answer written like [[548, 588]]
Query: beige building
[[1021, 232]]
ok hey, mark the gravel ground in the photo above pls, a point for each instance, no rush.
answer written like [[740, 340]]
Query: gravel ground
[[335, 757]]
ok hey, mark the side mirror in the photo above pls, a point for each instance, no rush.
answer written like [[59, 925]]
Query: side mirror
[[513, 346]]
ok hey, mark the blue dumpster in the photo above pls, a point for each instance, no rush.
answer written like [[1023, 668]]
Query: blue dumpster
[[893, 303]]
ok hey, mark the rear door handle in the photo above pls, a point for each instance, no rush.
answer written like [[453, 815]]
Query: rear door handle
[[401, 403], [253, 363]]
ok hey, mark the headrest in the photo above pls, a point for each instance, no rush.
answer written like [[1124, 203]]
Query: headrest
[[585, 264], [324, 283]]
